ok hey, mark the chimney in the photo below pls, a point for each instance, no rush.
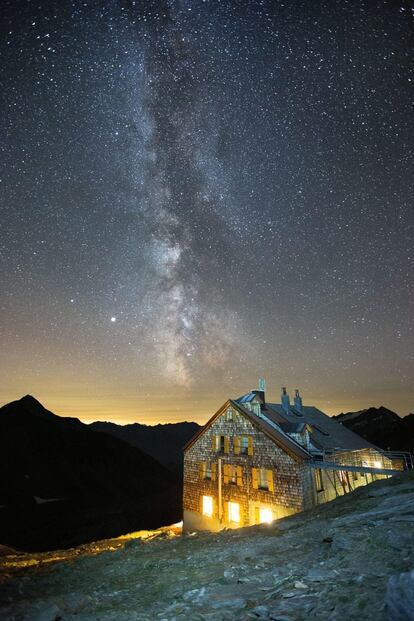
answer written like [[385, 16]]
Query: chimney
[[285, 400], [298, 401], [262, 390]]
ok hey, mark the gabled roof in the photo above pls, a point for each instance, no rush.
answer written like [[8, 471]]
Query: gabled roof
[[326, 434], [278, 436]]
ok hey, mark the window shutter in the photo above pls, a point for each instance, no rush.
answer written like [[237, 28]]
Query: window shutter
[[226, 511], [250, 448], [213, 472], [226, 444], [214, 443], [236, 442], [270, 481], [202, 470], [239, 472], [226, 473], [255, 478], [256, 515]]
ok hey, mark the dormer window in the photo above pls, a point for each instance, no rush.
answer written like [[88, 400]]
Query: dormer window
[[256, 408]]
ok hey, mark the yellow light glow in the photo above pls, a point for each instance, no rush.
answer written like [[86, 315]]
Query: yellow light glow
[[377, 464], [234, 512], [208, 506], [265, 516]]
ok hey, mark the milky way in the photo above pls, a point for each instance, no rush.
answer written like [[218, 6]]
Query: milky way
[[196, 194]]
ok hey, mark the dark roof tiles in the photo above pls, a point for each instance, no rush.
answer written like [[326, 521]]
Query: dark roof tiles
[[327, 434]]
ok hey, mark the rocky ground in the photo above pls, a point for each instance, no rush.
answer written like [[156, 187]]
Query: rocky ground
[[349, 559]]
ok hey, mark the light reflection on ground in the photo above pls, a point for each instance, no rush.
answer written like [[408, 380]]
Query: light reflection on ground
[[13, 561]]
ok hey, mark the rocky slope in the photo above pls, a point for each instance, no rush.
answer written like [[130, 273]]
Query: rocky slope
[[349, 559], [382, 427], [62, 484]]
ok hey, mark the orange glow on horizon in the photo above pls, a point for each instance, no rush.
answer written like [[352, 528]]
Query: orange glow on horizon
[[172, 405]]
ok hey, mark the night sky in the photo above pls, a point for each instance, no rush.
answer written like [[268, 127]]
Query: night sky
[[196, 194]]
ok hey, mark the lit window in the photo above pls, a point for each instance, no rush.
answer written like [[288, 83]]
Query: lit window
[[208, 506], [377, 464], [265, 516], [234, 512]]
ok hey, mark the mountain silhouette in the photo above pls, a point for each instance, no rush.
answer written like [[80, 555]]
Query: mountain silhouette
[[163, 442], [63, 484], [382, 427]]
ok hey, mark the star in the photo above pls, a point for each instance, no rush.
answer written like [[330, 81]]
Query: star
[[233, 181]]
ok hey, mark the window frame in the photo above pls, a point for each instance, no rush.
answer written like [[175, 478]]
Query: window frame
[[208, 471], [263, 476], [244, 450], [230, 415], [229, 512], [204, 511]]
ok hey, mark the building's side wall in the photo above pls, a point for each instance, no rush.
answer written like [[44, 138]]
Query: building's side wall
[[292, 486], [337, 483]]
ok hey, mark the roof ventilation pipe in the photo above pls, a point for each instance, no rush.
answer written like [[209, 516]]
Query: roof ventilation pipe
[[298, 401], [285, 400]]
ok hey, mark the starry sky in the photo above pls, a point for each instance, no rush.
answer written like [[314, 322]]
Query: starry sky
[[195, 194]]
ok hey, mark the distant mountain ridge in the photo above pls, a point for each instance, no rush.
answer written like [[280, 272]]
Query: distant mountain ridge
[[382, 427], [63, 484], [163, 442]]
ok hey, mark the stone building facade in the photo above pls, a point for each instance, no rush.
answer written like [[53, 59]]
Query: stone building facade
[[255, 462]]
